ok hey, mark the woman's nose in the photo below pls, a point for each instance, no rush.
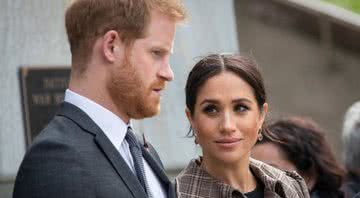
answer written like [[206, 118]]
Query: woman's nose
[[228, 123]]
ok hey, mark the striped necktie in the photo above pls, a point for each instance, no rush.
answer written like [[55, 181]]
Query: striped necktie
[[136, 152]]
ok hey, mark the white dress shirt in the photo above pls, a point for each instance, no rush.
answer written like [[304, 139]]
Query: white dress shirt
[[115, 129]]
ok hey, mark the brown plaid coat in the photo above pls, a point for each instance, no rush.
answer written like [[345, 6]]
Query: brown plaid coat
[[195, 182]]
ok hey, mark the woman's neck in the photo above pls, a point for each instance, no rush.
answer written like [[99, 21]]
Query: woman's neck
[[237, 175]]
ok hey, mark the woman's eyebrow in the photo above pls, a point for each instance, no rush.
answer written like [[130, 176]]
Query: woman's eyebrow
[[209, 101], [239, 100]]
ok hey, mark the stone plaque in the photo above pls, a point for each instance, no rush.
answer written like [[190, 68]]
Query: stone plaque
[[42, 91]]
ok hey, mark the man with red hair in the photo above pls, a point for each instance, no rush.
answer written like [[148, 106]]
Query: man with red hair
[[120, 65]]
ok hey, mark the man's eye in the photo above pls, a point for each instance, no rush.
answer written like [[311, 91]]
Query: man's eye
[[156, 52], [240, 108], [210, 109]]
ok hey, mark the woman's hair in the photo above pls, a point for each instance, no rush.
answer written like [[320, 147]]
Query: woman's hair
[[304, 144], [215, 64]]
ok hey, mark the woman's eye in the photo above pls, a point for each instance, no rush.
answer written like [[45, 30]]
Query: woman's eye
[[240, 108], [210, 109]]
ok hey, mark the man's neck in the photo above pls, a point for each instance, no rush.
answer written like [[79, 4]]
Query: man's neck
[[98, 95]]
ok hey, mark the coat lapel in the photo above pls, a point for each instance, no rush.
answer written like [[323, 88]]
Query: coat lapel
[[159, 171], [155, 166], [120, 165], [111, 153]]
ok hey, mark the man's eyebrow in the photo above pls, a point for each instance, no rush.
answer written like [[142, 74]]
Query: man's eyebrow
[[163, 49]]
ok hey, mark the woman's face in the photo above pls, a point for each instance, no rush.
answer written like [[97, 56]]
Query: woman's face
[[226, 119]]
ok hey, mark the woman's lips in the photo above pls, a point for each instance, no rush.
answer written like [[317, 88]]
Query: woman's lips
[[228, 142]]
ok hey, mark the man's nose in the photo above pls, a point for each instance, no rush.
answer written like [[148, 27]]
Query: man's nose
[[166, 72]]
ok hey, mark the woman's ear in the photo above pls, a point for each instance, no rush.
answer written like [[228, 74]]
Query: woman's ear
[[188, 115], [264, 112], [192, 126]]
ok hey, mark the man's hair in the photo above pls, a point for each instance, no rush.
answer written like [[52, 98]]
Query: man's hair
[[351, 137], [86, 20]]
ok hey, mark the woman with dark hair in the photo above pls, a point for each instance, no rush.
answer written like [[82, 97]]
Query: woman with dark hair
[[299, 144], [226, 106]]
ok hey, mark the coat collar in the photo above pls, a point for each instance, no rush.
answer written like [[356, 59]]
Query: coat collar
[[282, 183], [277, 183], [84, 121]]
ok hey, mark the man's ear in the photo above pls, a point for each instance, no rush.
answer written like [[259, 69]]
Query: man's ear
[[111, 45]]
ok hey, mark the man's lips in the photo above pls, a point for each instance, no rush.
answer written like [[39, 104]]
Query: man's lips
[[158, 90], [158, 86]]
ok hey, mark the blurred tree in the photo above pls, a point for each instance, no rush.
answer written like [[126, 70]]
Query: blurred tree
[[353, 5]]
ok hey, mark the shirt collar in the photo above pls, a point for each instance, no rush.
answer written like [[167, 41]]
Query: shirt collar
[[113, 127]]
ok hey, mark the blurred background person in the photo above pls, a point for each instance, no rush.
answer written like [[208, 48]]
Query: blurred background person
[[357, 195], [226, 107], [298, 144], [351, 155]]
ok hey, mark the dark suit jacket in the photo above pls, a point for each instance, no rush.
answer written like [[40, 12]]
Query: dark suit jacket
[[72, 157]]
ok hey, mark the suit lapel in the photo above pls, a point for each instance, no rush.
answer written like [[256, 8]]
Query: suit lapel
[[159, 171], [120, 166], [111, 153], [155, 166]]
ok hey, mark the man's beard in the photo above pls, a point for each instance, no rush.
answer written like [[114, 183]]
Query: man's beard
[[129, 94]]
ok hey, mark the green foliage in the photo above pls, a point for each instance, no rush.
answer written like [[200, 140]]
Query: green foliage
[[353, 5]]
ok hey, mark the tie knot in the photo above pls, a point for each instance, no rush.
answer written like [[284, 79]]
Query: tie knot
[[131, 139]]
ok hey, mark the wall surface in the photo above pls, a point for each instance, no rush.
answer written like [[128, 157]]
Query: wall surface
[[32, 34]]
